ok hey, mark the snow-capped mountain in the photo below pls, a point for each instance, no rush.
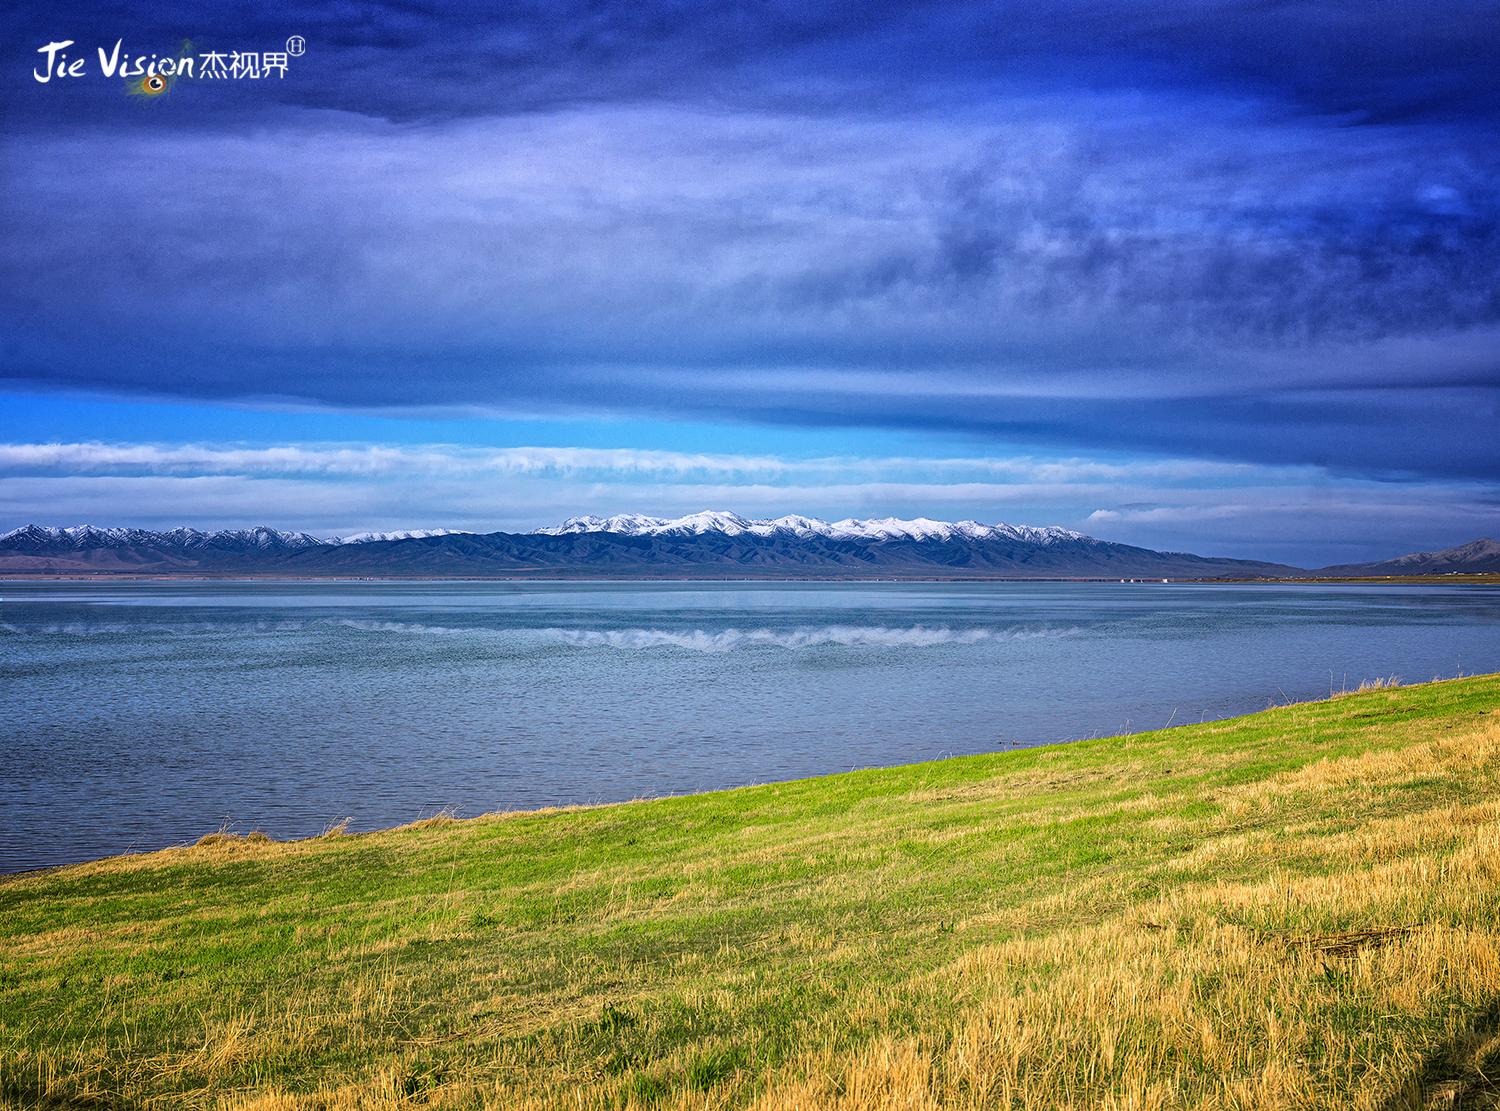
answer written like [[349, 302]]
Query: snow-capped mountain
[[851, 528], [404, 534], [711, 544], [87, 537], [266, 539], [261, 538], [76, 535]]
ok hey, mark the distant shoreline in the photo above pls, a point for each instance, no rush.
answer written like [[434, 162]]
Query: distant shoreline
[[1480, 578]]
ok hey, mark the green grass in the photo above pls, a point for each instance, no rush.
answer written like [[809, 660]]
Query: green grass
[[1296, 908]]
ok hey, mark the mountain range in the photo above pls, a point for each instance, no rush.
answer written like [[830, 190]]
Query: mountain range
[[711, 544]]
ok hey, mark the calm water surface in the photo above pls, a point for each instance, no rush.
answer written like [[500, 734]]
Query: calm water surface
[[137, 715]]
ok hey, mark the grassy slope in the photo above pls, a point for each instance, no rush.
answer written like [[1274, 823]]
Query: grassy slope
[[1162, 920]]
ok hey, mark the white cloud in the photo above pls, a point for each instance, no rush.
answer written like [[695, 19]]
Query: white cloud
[[360, 460]]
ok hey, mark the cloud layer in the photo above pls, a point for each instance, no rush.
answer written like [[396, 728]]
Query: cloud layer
[[1257, 236], [1209, 255]]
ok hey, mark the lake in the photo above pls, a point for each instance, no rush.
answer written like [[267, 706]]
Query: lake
[[139, 715]]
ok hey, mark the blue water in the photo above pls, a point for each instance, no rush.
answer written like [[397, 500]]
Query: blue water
[[138, 715]]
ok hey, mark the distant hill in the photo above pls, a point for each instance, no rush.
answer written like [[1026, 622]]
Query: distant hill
[[1477, 555], [703, 545]]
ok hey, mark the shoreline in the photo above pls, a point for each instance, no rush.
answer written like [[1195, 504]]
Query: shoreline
[[445, 816], [1274, 887]]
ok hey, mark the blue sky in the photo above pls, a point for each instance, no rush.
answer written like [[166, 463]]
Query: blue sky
[[1214, 276]]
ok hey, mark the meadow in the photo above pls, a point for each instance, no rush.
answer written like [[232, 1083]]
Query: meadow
[[1295, 909]]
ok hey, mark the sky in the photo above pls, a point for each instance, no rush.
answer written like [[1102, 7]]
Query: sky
[[1210, 276]]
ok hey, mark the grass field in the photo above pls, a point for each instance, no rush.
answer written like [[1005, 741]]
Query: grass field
[[1300, 908]]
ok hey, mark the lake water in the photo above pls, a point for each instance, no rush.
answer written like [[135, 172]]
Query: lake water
[[138, 715]]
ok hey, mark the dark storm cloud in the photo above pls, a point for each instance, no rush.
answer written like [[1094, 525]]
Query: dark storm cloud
[[1263, 231], [406, 61]]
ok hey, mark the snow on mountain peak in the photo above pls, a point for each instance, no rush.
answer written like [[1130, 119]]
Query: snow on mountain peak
[[708, 522], [631, 524], [84, 537], [401, 534], [851, 528], [263, 536]]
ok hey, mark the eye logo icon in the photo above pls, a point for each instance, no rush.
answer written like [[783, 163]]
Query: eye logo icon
[[296, 46]]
